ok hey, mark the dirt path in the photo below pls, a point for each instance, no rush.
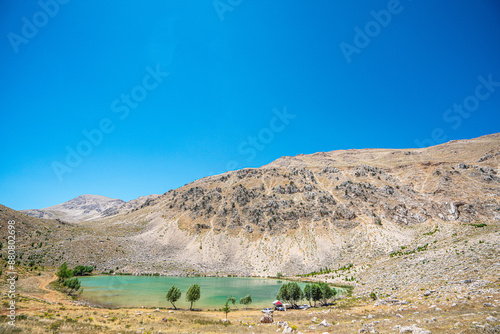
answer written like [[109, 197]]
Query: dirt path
[[51, 295]]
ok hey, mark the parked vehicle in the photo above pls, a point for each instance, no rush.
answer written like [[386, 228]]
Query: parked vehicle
[[267, 310]]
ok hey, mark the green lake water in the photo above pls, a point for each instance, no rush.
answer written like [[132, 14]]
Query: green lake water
[[150, 291]]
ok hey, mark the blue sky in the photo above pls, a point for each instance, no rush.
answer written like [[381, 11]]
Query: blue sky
[[172, 91]]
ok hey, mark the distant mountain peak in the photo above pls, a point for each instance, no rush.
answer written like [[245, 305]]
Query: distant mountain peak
[[87, 207]]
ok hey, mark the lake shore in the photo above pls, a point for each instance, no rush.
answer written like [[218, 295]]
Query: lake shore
[[40, 308]]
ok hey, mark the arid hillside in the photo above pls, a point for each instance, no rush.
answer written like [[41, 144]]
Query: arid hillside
[[298, 214]]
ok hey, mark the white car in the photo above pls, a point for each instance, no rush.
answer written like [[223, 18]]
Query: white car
[[267, 310]]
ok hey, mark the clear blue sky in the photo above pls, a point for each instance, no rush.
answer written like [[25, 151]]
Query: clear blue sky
[[70, 69]]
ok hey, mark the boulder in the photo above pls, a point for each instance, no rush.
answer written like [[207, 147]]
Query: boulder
[[324, 323], [266, 319]]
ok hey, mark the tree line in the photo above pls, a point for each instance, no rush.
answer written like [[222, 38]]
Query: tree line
[[291, 293]]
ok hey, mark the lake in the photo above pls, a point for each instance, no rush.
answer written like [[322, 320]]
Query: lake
[[150, 291]]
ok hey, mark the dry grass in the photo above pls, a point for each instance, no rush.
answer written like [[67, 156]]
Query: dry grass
[[347, 316]]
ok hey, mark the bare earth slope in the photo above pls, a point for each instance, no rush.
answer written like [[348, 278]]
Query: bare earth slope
[[299, 214]]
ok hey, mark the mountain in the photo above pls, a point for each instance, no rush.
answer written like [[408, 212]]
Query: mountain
[[88, 207], [399, 217]]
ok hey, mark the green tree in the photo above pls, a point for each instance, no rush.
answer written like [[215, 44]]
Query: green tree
[[316, 293], [232, 300], [296, 294], [173, 295], [283, 293], [247, 300], [308, 293], [226, 309], [63, 272], [290, 293], [193, 294], [326, 292], [73, 284], [82, 270]]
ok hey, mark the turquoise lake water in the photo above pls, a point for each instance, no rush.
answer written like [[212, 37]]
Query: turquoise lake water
[[150, 291]]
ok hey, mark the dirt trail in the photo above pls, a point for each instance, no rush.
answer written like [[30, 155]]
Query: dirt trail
[[51, 295]]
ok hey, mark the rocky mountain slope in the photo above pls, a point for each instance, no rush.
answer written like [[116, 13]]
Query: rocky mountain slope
[[88, 207], [372, 208]]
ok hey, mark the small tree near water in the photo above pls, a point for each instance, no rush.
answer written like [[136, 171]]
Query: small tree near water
[[226, 309], [232, 300], [82, 270], [290, 293], [193, 294], [326, 292], [308, 293], [173, 295], [247, 300], [63, 273], [73, 284], [316, 293]]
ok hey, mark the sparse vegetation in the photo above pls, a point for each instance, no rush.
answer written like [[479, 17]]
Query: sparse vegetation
[[418, 249], [436, 229]]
